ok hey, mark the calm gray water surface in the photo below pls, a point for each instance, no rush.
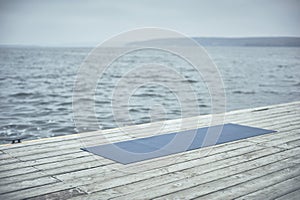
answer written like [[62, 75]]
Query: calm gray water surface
[[37, 85]]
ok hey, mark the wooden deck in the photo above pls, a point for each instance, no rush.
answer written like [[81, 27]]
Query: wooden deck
[[263, 167]]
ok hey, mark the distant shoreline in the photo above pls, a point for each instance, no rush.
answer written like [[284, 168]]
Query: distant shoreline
[[204, 41], [220, 41]]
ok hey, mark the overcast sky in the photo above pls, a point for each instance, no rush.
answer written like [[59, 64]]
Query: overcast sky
[[89, 22]]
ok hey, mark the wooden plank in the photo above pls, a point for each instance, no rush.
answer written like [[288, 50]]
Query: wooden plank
[[284, 132], [4, 156], [145, 185], [281, 188], [55, 170], [138, 186], [21, 152], [267, 108], [14, 165], [65, 194], [8, 161], [19, 185], [290, 144], [260, 187], [295, 195], [15, 172], [75, 168], [197, 177], [51, 164], [21, 177], [37, 191], [276, 141], [47, 154], [234, 186]]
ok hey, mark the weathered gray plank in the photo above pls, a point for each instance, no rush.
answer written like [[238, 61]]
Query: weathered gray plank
[[295, 195], [207, 177], [37, 191], [15, 172], [4, 156], [196, 176], [282, 186], [19, 185], [255, 180], [65, 194], [290, 144], [8, 161], [260, 186], [21, 177]]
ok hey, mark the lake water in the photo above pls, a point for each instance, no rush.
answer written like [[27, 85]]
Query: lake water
[[37, 84]]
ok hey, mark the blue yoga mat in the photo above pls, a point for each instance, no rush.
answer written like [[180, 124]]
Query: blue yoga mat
[[162, 145]]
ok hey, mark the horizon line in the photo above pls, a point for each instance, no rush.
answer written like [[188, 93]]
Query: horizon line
[[94, 44]]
